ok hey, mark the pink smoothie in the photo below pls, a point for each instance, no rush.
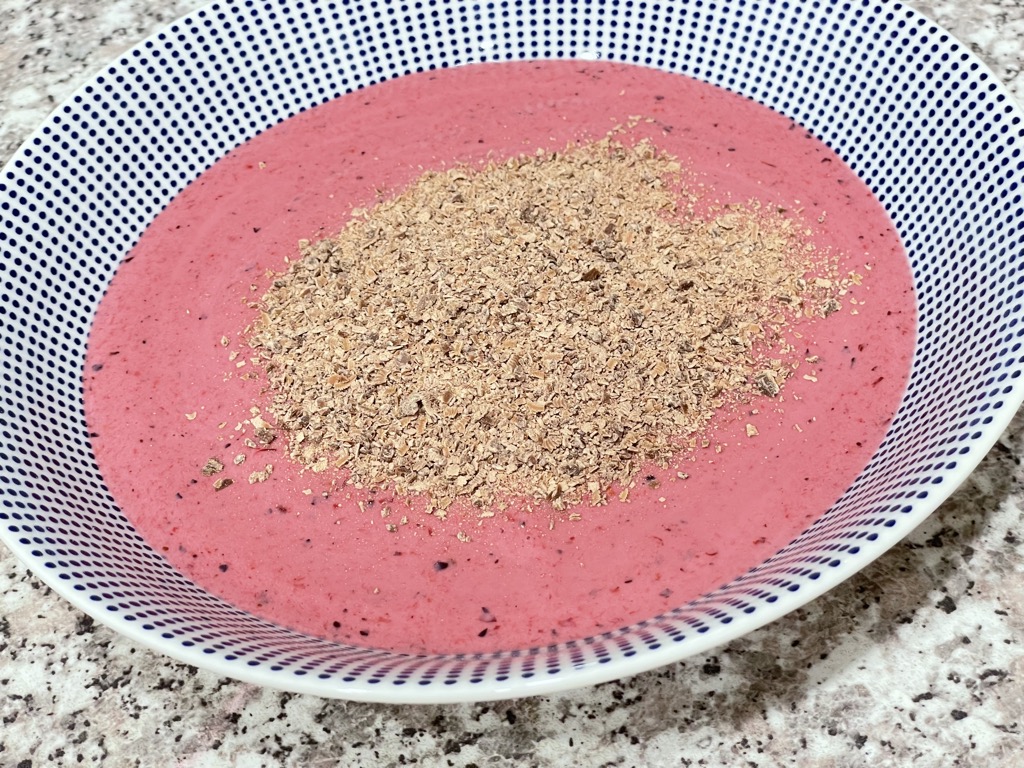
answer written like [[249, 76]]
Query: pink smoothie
[[309, 552]]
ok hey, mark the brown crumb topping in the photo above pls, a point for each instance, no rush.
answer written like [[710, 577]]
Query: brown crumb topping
[[540, 327], [212, 466]]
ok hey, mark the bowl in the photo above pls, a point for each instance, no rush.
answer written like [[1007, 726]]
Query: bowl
[[912, 111]]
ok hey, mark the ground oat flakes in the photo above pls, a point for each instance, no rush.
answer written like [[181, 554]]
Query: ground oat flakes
[[541, 326]]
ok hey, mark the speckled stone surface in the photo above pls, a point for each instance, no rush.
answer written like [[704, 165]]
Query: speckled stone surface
[[917, 660]]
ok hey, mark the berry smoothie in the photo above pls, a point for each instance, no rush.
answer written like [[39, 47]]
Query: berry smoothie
[[171, 383]]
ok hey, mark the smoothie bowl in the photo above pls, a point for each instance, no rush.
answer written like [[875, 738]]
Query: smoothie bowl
[[653, 430]]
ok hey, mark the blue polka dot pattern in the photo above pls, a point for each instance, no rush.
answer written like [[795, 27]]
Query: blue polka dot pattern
[[919, 118]]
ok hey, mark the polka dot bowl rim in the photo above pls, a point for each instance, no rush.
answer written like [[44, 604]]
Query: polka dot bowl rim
[[913, 111]]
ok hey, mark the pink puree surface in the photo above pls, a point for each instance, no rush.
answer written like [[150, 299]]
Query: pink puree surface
[[527, 576]]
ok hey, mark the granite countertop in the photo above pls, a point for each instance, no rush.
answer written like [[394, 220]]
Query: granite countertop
[[918, 659]]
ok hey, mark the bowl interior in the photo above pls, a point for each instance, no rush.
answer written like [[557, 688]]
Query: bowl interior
[[914, 113]]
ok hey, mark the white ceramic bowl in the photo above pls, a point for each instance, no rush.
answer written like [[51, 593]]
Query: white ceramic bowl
[[918, 117]]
